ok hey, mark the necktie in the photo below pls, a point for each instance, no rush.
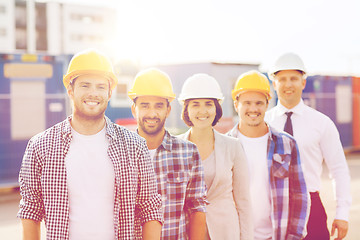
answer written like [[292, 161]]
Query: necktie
[[288, 124]]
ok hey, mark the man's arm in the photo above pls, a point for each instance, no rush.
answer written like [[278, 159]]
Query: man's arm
[[148, 200], [151, 230], [31, 205], [195, 201], [335, 160], [197, 226], [31, 229]]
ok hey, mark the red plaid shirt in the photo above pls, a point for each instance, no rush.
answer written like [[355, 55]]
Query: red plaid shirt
[[180, 176], [43, 184]]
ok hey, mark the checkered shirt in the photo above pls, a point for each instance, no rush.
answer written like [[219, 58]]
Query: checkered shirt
[[180, 176], [43, 184], [289, 197]]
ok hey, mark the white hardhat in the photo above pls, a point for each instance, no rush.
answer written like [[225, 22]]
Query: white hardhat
[[201, 85], [287, 61]]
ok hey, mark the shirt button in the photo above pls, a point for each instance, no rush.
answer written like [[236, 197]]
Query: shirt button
[[277, 158]]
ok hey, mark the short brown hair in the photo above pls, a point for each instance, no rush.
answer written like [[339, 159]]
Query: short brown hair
[[185, 113]]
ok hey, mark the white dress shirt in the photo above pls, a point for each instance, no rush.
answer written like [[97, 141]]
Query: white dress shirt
[[318, 139]]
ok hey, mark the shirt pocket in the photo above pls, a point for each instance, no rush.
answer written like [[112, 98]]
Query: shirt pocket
[[176, 186], [280, 166]]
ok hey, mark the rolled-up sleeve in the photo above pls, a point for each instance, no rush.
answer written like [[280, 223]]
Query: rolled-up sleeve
[[196, 189], [148, 199], [31, 203]]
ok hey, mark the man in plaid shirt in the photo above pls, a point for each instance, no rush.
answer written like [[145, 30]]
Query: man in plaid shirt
[[278, 189], [177, 162], [86, 176]]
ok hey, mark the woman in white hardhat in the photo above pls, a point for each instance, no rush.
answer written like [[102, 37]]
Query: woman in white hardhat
[[228, 216]]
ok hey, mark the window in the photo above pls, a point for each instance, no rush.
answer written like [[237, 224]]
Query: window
[[2, 9], [87, 19], [343, 96], [27, 108], [2, 32], [119, 97]]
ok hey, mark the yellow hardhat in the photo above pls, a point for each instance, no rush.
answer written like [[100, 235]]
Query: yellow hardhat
[[93, 62], [251, 81], [152, 82]]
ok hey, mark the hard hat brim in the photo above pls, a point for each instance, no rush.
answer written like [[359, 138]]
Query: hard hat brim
[[235, 94], [183, 99], [272, 74], [74, 74], [133, 96]]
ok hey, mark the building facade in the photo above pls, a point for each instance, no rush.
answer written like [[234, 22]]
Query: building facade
[[54, 27]]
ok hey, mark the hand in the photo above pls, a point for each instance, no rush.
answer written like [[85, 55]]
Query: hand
[[342, 228]]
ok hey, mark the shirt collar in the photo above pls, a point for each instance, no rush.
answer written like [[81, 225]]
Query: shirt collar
[[298, 109], [236, 131], [167, 141], [110, 130], [66, 127]]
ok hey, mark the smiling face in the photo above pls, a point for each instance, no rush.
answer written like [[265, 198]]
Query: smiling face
[[90, 95], [251, 108], [289, 85], [150, 113], [201, 112]]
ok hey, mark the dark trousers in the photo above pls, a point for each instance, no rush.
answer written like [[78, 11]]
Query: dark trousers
[[317, 226]]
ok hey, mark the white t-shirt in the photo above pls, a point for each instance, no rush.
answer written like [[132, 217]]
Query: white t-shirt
[[152, 153], [91, 181], [209, 169], [256, 155]]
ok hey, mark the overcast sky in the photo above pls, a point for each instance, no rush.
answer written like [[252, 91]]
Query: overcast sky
[[325, 33]]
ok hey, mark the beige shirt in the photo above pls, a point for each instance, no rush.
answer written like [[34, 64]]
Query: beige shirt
[[209, 169], [229, 215]]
